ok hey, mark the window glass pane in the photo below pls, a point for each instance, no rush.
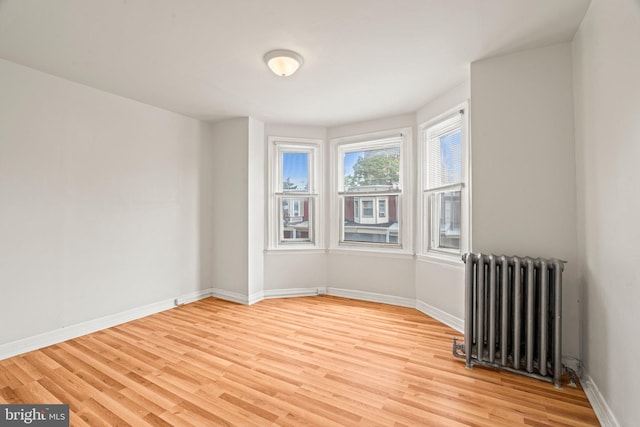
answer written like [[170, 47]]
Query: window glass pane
[[372, 170], [296, 220], [295, 172], [371, 226], [382, 208], [445, 210], [367, 208], [445, 155]]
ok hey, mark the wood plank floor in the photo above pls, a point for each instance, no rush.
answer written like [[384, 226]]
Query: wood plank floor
[[313, 361]]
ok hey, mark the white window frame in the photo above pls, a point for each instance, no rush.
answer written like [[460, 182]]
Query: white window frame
[[375, 140], [428, 242], [314, 148]]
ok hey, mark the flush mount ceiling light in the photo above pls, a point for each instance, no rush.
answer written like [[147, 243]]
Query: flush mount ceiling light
[[283, 62]]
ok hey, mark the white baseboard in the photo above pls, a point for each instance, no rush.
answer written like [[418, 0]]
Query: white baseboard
[[56, 336], [255, 297], [193, 296], [230, 296], [236, 297], [294, 292], [441, 316], [372, 297], [599, 404]]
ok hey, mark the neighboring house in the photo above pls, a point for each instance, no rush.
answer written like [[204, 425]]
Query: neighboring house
[[371, 218], [295, 218]]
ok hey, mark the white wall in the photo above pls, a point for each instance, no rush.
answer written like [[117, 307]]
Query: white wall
[[230, 213], [372, 273], [370, 126], [294, 131], [447, 100], [295, 270], [257, 208], [230, 207], [101, 203], [238, 207], [523, 173], [606, 60]]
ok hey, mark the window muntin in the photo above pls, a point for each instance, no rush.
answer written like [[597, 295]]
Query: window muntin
[[445, 193], [370, 195], [295, 195]]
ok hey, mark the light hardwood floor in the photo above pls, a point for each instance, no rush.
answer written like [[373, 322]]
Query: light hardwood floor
[[319, 361]]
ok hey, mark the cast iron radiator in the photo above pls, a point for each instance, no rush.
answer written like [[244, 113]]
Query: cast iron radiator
[[513, 315]]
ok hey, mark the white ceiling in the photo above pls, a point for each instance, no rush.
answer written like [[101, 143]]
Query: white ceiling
[[364, 59]]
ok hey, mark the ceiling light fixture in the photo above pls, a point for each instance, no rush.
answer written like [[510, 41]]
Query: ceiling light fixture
[[283, 62]]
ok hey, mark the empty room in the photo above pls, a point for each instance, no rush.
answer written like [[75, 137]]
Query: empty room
[[320, 213]]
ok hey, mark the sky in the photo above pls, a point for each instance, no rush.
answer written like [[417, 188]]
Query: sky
[[350, 159], [295, 166]]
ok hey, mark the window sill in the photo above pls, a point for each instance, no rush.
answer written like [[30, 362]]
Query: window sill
[[372, 251], [442, 259], [306, 250]]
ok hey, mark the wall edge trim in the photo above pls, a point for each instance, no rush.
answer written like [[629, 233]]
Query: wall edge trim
[[441, 316], [372, 297], [294, 292], [231, 296], [598, 403]]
